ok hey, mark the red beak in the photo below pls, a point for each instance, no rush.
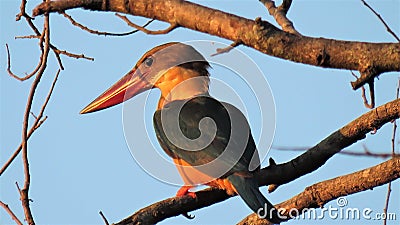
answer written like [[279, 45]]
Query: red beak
[[127, 87]]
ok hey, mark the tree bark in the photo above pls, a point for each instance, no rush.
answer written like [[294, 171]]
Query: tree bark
[[317, 195], [370, 59]]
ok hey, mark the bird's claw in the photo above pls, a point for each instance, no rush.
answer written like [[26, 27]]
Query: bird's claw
[[182, 192], [188, 216]]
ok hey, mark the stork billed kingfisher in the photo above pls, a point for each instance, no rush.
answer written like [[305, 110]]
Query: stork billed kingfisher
[[218, 151]]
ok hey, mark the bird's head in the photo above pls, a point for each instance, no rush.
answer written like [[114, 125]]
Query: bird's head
[[177, 69]]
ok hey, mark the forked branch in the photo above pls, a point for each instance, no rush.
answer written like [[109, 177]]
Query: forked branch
[[317, 195], [85, 28], [171, 27], [279, 13], [377, 58]]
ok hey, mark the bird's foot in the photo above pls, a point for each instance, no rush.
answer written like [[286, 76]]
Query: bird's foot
[[184, 191]]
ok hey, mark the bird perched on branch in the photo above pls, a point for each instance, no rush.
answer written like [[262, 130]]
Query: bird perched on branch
[[209, 141]]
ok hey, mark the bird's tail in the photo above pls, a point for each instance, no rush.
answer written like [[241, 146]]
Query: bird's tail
[[247, 188]]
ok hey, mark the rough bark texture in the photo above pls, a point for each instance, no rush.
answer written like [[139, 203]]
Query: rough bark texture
[[371, 59], [312, 197], [320, 153], [317, 195]]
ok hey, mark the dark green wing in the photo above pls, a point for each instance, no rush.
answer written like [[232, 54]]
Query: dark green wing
[[204, 131]]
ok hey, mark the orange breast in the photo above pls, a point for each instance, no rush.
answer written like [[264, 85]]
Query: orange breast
[[193, 177], [180, 83]]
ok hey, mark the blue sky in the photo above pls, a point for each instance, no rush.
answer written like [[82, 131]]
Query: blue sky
[[81, 164]]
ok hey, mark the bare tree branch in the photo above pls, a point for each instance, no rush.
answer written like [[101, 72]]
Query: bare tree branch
[[27, 76], [371, 93], [366, 152], [334, 143], [75, 23], [72, 55], [370, 59], [394, 122], [279, 13], [104, 218], [40, 36], [39, 120], [227, 49], [18, 150], [382, 20], [317, 195], [171, 27], [25, 190], [385, 209], [367, 75], [10, 212], [27, 36], [389, 190]]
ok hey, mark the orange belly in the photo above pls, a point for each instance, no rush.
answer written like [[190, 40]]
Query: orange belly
[[194, 177]]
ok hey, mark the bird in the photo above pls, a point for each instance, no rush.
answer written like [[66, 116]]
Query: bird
[[209, 141]]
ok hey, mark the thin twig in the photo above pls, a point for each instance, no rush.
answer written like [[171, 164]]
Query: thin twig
[[27, 36], [382, 20], [10, 212], [57, 55], [371, 93], [350, 153], [104, 218], [22, 12], [227, 49], [28, 19], [72, 55], [38, 122], [364, 97], [27, 75], [394, 122], [46, 101], [56, 51], [18, 150], [18, 188], [385, 209], [25, 191], [9, 64], [389, 190], [171, 27], [85, 28], [34, 116]]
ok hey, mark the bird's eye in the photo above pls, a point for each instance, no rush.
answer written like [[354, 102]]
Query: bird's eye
[[148, 61]]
